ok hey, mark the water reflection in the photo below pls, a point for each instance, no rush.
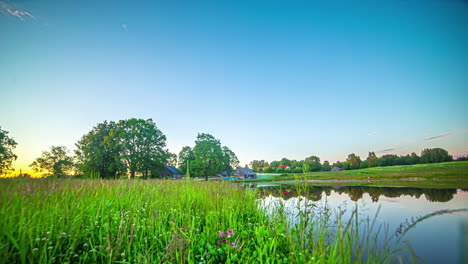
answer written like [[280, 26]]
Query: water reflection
[[355, 193]]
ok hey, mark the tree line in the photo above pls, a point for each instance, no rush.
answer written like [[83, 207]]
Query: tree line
[[127, 148], [352, 162]]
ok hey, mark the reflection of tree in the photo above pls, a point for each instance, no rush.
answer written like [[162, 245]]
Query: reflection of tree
[[439, 195], [355, 193]]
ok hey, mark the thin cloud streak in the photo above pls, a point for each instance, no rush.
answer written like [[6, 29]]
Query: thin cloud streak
[[385, 150], [439, 136], [10, 10]]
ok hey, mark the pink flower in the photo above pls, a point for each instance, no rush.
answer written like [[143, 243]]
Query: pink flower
[[221, 234], [233, 244], [286, 191], [229, 233]]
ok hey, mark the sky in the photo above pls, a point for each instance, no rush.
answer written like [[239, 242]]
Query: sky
[[268, 78]]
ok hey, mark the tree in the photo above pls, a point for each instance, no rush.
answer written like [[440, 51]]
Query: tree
[[313, 162], [353, 161], [172, 159], [185, 156], [142, 146], [98, 152], [388, 160], [208, 156], [230, 160], [435, 155], [54, 162], [326, 166], [372, 160], [274, 164], [7, 156], [285, 162]]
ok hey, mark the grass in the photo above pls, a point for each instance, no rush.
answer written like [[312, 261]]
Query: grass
[[154, 221], [453, 173]]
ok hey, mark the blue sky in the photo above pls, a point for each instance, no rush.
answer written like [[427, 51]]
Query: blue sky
[[270, 79]]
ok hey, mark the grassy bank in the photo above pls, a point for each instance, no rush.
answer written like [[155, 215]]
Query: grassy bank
[[446, 170], [91, 221]]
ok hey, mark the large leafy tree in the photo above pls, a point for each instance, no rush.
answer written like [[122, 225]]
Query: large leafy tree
[[54, 162], [208, 154], [326, 166], [230, 160], [142, 146], [7, 156], [185, 156], [312, 163], [372, 160], [353, 161], [98, 152]]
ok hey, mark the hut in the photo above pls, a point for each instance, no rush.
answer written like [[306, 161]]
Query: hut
[[244, 174], [337, 169], [171, 172]]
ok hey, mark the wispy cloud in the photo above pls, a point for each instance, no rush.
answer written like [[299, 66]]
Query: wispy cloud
[[385, 150], [439, 136], [124, 27], [6, 8]]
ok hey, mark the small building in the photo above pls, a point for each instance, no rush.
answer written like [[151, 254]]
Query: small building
[[244, 174], [337, 169], [171, 172]]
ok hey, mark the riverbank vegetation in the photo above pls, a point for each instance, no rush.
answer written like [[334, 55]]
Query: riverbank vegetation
[[163, 221], [353, 162], [436, 175]]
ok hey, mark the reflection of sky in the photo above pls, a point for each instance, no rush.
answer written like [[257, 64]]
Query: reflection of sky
[[436, 240]]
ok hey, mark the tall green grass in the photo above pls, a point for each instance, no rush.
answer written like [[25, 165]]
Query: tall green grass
[[161, 221]]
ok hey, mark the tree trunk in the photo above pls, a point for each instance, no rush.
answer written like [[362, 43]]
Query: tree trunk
[[132, 174]]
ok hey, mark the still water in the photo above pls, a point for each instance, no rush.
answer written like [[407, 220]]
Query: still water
[[438, 239]]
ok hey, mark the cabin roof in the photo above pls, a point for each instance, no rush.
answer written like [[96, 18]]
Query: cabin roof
[[244, 171], [173, 169]]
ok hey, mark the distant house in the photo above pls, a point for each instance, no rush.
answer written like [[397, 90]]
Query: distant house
[[284, 166], [337, 169], [245, 173], [171, 172]]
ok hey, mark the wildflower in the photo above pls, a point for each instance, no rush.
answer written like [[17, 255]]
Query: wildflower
[[310, 251], [221, 234], [286, 191], [85, 245], [229, 233], [233, 245], [35, 249], [50, 248]]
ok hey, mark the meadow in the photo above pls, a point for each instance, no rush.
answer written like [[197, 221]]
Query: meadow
[[167, 221]]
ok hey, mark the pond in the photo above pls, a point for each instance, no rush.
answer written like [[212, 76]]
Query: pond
[[442, 238]]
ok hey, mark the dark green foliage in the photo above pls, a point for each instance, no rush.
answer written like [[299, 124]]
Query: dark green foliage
[[313, 163], [185, 156], [54, 162], [435, 155], [210, 157], [7, 156], [326, 166], [142, 147], [353, 161], [99, 150]]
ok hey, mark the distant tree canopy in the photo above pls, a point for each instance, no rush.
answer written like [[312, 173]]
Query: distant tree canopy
[[7, 156], [352, 162], [435, 155], [133, 146], [54, 162]]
